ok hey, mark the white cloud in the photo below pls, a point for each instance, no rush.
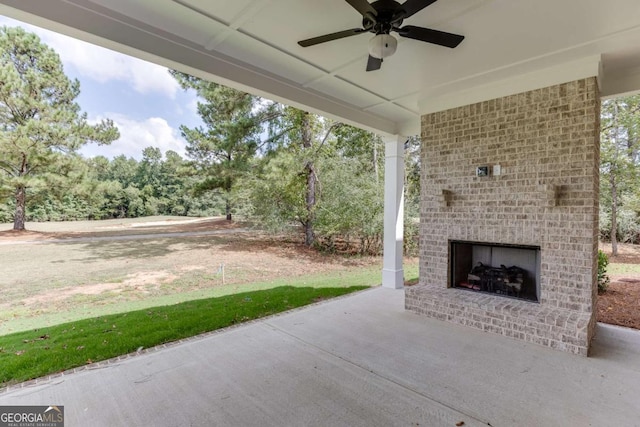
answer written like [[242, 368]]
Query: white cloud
[[189, 106], [137, 135], [103, 65]]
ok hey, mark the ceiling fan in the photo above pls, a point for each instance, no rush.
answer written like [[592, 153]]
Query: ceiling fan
[[381, 17]]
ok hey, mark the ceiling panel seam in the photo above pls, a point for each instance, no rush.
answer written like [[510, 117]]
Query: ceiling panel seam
[[211, 46], [230, 27], [216, 40], [393, 104]]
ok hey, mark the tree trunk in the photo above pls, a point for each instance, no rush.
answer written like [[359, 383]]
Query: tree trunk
[[228, 209], [614, 189], [20, 215], [309, 235], [375, 160], [614, 215], [227, 191]]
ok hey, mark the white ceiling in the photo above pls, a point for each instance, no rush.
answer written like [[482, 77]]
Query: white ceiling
[[510, 46]]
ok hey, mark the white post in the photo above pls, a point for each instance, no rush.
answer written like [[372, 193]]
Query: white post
[[392, 272]]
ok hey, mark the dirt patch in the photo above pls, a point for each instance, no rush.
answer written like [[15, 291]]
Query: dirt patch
[[139, 282], [627, 254], [24, 235], [39, 231]]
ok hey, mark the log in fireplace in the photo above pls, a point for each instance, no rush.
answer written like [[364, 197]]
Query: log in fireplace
[[505, 270]]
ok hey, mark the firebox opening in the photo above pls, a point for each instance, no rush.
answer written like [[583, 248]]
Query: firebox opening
[[505, 270]]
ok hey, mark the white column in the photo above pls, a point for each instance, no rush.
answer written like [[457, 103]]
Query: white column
[[392, 272]]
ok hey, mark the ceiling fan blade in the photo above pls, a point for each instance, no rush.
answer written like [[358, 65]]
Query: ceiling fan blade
[[431, 36], [411, 7], [364, 7], [332, 36], [374, 63]]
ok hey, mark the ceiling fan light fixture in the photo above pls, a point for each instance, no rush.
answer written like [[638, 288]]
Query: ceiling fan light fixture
[[382, 17], [382, 46]]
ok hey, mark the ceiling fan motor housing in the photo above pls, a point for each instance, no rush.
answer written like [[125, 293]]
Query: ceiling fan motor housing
[[389, 16]]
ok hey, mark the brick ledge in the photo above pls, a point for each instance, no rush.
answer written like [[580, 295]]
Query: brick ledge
[[562, 329]]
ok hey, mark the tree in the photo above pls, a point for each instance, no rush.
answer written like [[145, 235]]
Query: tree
[[619, 157], [221, 150], [310, 175], [324, 175], [122, 169], [351, 206], [298, 132], [277, 192], [173, 184], [149, 181], [41, 126]]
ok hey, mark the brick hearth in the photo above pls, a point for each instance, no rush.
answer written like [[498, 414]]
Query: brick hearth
[[547, 145]]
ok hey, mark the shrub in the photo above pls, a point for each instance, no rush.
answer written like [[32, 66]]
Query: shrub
[[603, 278], [411, 236]]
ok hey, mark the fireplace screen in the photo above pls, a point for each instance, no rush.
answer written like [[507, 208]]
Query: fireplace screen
[[506, 270]]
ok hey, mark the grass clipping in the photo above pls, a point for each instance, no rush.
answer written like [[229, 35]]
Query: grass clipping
[[33, 354]]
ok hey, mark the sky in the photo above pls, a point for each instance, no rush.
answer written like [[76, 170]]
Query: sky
[[143, 100]]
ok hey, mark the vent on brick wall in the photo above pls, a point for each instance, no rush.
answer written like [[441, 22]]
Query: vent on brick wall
[[506, 270]]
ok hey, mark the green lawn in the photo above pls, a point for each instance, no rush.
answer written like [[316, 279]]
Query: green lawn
[[364, 276], [32, 354], [50, 349]]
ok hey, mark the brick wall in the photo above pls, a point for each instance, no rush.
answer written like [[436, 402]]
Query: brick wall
[[547, 144]]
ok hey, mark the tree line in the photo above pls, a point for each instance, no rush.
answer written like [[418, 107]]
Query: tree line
[[279, 166], [118, 188]]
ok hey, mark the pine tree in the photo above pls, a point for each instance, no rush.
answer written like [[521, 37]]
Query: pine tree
[[221, 151], [41, 125]]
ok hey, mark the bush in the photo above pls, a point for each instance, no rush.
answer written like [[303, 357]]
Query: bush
[[603, 278], [411, 236], [350, 208], [6, 212]]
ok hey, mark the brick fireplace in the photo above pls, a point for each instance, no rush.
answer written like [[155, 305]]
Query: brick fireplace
[[519, 171]]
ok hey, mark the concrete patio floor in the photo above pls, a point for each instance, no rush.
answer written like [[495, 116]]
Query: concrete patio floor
[[360, 360]]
